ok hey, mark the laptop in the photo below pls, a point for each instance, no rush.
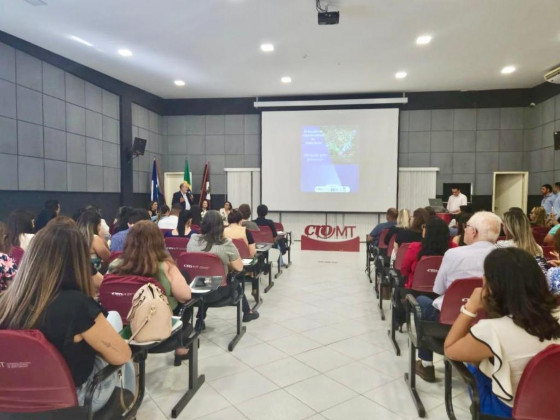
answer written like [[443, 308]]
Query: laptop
[[437, 205]]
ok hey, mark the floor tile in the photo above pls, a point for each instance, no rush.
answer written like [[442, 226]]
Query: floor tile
[[294, 344], [219, 366], [230, 413], [359, 377], [287, 371], [243, 386], [320, 392], [359, 408], [276, 405], [323, 359], [356, 348], [259, 354]]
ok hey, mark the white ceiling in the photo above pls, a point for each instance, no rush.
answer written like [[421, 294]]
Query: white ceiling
[[214, 45]]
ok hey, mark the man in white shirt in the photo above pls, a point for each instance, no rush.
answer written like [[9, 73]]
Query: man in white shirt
[[170, 222], [456, 200], [481, 234], [183, 196]]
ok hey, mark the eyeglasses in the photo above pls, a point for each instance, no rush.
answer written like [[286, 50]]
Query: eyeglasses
[[471, 226]]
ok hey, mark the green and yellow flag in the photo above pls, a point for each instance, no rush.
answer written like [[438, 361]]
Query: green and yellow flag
[[187, 176]]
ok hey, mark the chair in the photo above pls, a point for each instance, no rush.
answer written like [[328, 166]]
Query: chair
[[17, 254], [114, 255], [176, 245], [383, 262], [431, 334], [206, 264], [116, 293], [388, 273], [532, 399], [288, 236], [547, 252], [36, 383], [264, 236], [164, 231], [252, 268], [539, 233], [372, 252], [422, 282]]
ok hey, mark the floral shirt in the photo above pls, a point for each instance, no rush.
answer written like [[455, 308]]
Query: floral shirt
[[8, 270], [553, 277]]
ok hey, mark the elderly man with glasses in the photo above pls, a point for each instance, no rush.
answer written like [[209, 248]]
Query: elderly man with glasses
[[481, 234]]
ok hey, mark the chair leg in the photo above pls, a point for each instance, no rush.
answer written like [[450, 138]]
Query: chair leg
[[240, 327], [392, 331], [410, 379], [195, 381], [258, 297], [279, 272], [449, 390], [270, 282], [382, 286]]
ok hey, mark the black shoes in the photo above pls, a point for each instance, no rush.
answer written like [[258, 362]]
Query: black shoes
[[179, 359], [249, 316], [425, 372]]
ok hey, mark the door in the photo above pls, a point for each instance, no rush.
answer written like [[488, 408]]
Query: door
[[510, 190], [171, 182]]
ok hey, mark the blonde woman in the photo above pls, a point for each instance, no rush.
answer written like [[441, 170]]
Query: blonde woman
[[404, 219], [89, 224], [538, 217], [51, 292]]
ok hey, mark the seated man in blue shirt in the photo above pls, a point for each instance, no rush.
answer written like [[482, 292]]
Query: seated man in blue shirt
[[391, 217], [119, 238]]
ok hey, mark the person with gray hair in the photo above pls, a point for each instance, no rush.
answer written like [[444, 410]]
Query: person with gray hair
[[481, 233]]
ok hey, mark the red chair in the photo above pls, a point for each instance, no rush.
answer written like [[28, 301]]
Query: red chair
[[539, 234], [382, 263], [288, 236], [114, 255], [446, 217], [35, 380], [263, 235], [547, 252], [385, 284], [372, 252], [205, 264], [253, 268], [164, 231], [176, 246], [17, 254]]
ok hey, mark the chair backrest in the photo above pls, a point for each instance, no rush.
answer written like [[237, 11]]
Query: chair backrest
[[263, 235], [425, 273], [201, 264], [539, 234], [242, 248], [17, 254], [382, 235], [400, 255], [455, 297], [176, 246], [114, 255], [279, 226], [391, 245], [164, 231], [34, 377], [547, 252], [533, 400], [117, 290]]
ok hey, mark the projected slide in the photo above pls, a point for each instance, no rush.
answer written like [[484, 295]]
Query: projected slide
[[329, 159]]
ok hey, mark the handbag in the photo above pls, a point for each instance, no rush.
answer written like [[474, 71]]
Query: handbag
[[150, 315]]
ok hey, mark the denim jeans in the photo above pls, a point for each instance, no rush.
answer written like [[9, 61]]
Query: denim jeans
[[429, 313]]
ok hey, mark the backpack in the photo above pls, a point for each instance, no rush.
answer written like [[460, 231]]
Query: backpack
[[150, 315]]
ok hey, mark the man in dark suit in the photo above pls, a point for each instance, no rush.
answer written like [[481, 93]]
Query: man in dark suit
[[183, 196]]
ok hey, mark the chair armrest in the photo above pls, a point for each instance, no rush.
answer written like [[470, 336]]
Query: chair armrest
[[413, 310], [469, 379], [190, 303]]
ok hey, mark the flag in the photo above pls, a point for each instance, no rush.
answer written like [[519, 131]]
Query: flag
[[155, 184], [205, 187], [187, 176]]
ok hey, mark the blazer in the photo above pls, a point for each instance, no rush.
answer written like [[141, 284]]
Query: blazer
[[177, 197]]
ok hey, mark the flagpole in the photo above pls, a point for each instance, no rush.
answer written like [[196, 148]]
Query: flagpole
[[203, 186], [160, 184]]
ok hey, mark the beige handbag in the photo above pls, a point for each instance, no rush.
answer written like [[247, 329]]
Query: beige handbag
[[150, 315]]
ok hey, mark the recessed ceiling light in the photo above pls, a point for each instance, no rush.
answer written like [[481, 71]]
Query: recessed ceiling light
[[124, 52], [36, 2], [424, 39], [286, 79], [179, 83], [400, 74], [508, 69], [267, 47], [80, 40]]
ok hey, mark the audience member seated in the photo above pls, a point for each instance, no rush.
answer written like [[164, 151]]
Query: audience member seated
[[245, 211], [163, 212], [118, 239], [204, 207], [21, 226], [170, 222], [89, 224], [8, 267], [435, 241], [261, 220], [456, 200], [553, 273], [196, 216], [462, 262], [212, 240], [522, 321], [431, 211], [548, 198], [144, 254], [120, 222], [462, 221], [184, 223], [538, 217], [403, 222], [453, 224], [549, 238], [52, 293], [391, 217], [235, 230], [153, 210], [50, 211], [224, 211], [104, 229], [413, 234]]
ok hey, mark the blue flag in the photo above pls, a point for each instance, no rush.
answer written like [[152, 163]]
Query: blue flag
[[155, 185]]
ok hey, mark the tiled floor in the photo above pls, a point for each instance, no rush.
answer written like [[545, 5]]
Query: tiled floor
[[319, 350]]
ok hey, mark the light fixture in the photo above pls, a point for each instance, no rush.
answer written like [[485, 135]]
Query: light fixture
[[508, 69], [36, 2], [80, 40], [424, 39], [179, 83], [286, 79], [267, 47], [125, 52], [400, 74]]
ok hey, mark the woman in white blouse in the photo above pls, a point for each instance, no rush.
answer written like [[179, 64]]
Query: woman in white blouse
[[523, 319], [21, 225]]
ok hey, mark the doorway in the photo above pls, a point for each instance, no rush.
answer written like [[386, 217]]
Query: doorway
[[171, 182], [510, 190]]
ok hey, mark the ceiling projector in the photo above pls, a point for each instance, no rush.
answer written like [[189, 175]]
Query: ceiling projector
[[328, 18]]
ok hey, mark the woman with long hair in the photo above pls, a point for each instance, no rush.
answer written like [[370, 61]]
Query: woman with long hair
[[205, 206], [435, 241], [21, 227], [523, 319], [462, 220], [538, 217], [89, 224], [196, 215], [144, 254], [8, 267], [153, 209], [224, 211], [235, 230], [403, 222], [51, 292], [184, 226], [121, 219], [211, 239], [413, 233]]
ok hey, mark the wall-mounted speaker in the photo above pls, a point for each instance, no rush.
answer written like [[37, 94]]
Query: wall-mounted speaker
[[138, 147], [557, 140]]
